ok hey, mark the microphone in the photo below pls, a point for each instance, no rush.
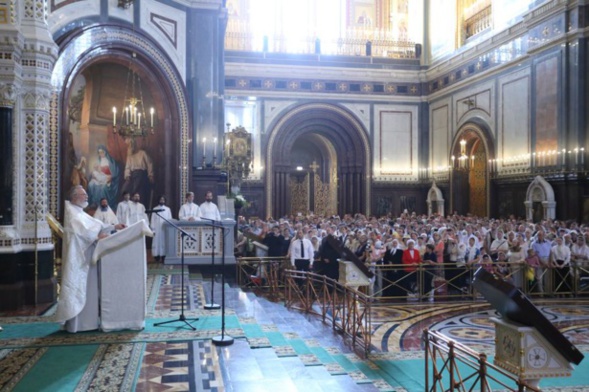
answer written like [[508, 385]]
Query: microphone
[[154, 210]]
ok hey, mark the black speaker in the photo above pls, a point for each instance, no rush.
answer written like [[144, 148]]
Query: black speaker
[[368, 48], [417, 50]]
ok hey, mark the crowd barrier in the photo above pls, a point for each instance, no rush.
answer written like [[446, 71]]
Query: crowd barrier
[[442, 282], [346, 309], [451, 366]]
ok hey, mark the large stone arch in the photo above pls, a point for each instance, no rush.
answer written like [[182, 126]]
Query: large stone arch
[[540, 191], [82, 48], [349, 139]]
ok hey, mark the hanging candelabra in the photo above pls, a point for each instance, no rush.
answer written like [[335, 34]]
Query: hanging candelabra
[[133, 120]]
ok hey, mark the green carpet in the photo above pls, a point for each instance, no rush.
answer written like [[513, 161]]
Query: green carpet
[[387, 371]]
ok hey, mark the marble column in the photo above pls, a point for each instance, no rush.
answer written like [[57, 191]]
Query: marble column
[[27, 268]]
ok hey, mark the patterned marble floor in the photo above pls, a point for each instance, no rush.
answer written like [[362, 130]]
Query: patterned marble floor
[[287, 351]]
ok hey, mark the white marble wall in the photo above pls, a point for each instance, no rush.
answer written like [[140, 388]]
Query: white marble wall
[[395, 142], [514, 112], [440, 121]]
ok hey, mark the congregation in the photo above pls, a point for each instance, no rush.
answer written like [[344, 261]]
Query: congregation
[[413, 253]]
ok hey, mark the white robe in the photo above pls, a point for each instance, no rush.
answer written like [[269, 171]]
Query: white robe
[[209, 210], [158, 245], [123, 213], [78, 298], [189, 210], [136, 213], [107, 216]]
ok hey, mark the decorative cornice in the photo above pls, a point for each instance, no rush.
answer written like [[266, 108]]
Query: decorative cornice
[[325, 86], [36, 100]]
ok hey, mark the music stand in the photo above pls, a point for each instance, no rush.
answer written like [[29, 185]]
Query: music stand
[[181, 318], [212, 305], [223, 339]]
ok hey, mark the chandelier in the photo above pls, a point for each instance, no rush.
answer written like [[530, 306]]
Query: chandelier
[[133, 120], [463, 160]]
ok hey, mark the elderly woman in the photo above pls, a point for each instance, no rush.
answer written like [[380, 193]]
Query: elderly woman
[[499, 244]]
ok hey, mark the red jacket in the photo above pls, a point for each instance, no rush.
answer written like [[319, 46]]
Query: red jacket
[[411, 262]]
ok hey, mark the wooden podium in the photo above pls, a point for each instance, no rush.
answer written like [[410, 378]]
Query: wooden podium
[[122, 276], [352, 272], [526, 343]]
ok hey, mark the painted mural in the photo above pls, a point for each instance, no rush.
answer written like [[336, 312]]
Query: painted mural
[[105, 163]]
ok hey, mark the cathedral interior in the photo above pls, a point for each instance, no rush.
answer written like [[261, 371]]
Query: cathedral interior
[[331, 107]]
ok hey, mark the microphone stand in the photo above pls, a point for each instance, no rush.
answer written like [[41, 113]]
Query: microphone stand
[[223, 339], [181, 318], [212, 305]]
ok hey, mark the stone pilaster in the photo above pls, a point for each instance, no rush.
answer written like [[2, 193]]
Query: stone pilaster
[[38, 58], [27, 56]]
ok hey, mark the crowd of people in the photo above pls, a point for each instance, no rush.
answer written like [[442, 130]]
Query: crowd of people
[[537, 257]]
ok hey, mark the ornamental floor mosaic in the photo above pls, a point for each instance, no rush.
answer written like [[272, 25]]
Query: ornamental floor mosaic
[[274, 348]]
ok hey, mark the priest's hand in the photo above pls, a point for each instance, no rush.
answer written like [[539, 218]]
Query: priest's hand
[[120, 226]]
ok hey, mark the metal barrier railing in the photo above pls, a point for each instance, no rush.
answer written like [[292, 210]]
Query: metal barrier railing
[[267, 273], [441, 282], [443, 373], [345, 308]]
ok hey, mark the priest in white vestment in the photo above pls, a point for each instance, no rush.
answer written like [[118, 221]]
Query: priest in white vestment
[[158, 245], [189, 211], [123, 209], [208, 209], [78, 298], [105, 214], [136, 210]]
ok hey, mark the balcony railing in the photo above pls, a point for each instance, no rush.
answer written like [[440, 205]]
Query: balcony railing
[[355, 42], [478, 22]]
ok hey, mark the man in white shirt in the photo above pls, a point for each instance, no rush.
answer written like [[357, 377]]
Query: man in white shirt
[[158, 246], [105, 214], [136, 210], [189, 211], [123, 209], [208, 209], [301, 253]]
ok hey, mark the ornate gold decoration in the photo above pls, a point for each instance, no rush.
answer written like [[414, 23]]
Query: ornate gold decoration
[[323, 202], [238, 153], [299, 191]]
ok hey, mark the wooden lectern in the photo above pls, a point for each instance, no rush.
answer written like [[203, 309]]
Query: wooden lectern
[[526, 343], [352, 272], [122, 275]]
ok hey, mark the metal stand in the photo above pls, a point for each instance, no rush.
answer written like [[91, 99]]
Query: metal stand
[[181, 318], [223, 339], [212, 305]]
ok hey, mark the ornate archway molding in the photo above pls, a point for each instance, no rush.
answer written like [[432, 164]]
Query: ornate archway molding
[[84, 47], [302, 119], [435, 195], [540, 191]]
